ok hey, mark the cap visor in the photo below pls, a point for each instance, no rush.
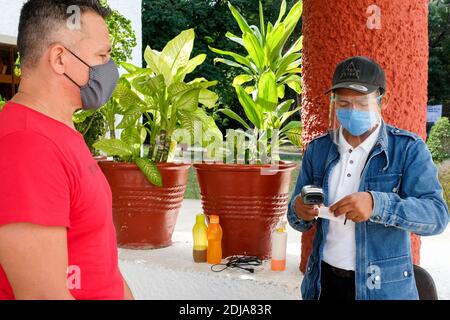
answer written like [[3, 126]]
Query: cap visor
[[354, 86]]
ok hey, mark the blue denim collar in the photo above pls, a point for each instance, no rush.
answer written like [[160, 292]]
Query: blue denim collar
[[382, 142]]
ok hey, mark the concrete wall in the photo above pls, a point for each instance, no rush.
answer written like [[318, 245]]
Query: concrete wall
[[131, 9]]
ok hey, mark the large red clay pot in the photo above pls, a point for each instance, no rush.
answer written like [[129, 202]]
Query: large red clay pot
[[145, 215], [249, 204]]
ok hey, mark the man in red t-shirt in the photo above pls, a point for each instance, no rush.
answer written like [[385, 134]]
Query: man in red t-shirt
[[57, 239]]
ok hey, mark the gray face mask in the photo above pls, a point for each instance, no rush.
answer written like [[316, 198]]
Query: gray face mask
[[101, 85]]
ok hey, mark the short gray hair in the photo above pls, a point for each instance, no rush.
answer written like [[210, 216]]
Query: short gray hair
[[39, 19]]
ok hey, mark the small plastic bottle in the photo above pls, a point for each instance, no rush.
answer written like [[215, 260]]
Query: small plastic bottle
[[200, 235], [214, 251], [279, 243]]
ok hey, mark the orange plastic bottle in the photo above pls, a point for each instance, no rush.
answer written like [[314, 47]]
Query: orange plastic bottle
[[214, 251]]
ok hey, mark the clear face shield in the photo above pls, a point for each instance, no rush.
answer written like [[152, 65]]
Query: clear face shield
[[354, 117]]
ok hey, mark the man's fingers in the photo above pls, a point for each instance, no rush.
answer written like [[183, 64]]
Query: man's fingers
[[353, 216], [343, 201], [343, 209]]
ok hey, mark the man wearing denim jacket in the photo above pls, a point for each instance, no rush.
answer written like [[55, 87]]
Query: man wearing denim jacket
[[380, 184]]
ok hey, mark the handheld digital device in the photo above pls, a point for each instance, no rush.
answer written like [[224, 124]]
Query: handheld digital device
[[312, 195]]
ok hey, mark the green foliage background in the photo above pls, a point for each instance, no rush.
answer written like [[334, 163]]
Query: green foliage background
[[439, 140], [163, 19]]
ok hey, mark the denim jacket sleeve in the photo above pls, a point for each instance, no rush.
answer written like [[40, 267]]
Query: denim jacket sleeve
[[422, 210], [305, 178]]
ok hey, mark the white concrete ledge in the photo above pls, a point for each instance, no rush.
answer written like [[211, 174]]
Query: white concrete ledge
[[171, 274]]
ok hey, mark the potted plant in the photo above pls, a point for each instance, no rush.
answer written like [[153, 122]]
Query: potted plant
[[148, 188], [250, 191]]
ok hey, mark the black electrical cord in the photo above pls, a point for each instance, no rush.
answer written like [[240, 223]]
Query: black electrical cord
[[246, 263]]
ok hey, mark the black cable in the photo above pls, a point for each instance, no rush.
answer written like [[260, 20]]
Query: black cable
[[238, 262]]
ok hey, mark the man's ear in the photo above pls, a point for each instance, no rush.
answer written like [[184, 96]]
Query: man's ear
[[385, 100], [57, 58]]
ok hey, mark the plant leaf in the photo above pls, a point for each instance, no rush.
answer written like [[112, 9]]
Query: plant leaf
[[295, 136], [188, 101], [113, 147], [150, 171], [282, 12], [241, 79], [230, 113], [131, 136], [208, 98], [152, 59], [190, 66], [250, 108], [177, 52], [267, 91], [234, 38], [232, 64], [239, 59], [289, 114], [254, 49], [130, 68], [284, 107], [243, 25]]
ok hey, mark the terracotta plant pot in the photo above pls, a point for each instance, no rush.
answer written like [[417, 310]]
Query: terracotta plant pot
[[145, 215], [249, 204]]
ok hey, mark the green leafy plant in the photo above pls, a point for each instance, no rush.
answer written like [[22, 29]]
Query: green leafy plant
[[439, 140], [169, 105], [2, 102], [266, 72], [444, 178]]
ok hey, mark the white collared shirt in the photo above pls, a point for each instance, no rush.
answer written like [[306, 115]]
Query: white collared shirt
[[340, 246]]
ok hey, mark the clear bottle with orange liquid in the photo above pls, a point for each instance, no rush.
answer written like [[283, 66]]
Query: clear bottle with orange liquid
[[279, 243], [214, 251]]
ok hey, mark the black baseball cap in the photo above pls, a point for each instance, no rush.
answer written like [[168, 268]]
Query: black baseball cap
[[360, 74]]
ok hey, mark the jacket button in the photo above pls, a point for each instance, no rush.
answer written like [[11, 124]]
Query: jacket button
[[377, 278], [405, 273]]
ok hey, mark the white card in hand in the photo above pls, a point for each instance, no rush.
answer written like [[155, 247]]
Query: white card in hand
[[324, 213]]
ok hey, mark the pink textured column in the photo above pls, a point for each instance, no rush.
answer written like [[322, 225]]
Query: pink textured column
[[393, 33]]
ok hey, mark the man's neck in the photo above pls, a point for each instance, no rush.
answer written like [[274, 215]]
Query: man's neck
[[46, 103], [356, 141]]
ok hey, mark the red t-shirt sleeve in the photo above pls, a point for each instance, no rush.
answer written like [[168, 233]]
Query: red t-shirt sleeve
[[34, 181]]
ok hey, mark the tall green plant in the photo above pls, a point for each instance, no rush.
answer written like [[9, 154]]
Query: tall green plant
[[169, 105], [266, 72]]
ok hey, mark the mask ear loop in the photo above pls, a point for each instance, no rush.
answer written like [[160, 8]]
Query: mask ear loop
[[81, 60], [333, 131]]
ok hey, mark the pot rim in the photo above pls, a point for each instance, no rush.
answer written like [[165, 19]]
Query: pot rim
[[282, 166], [133, 166]]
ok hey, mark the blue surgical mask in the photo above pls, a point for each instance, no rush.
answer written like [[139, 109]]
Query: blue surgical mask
[[101, 85], [357, 122]]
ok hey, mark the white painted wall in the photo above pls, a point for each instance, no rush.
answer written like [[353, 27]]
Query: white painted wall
[[131, 9]]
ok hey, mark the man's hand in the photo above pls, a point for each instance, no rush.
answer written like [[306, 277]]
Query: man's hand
[[35, 260], [357, 207], [304, 211]]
